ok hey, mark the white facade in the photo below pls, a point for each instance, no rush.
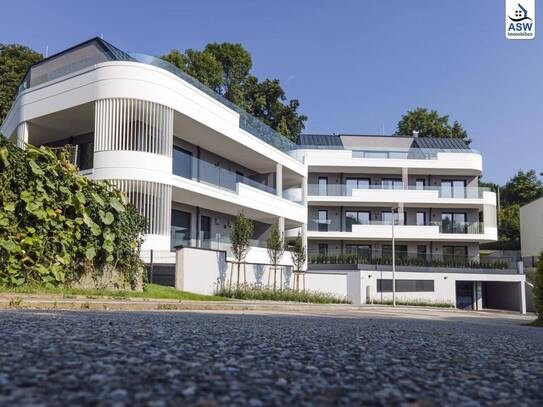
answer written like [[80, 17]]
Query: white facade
[[531, 229], [190, 161]]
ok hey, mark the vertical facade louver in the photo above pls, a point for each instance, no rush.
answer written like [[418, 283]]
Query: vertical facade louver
[[137, 125], [153, 200], [133, 125]]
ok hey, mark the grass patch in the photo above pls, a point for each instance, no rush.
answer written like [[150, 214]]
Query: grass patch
[[154, 291], [537, 323], [268, 294], [417, 303]]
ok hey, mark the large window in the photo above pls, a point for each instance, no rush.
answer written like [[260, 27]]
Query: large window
[[453, 222], [386, 217], [392, 183], [323, 221], [205, 231], [453, 189], [356, 183], [180, 228], [356, 218], [457, 254], [405, 286], [361, 250], [421, 218], [421, 252], [85, 156], [182, 162], [400, 249], [420, 184], [323, 186], [323, 248]]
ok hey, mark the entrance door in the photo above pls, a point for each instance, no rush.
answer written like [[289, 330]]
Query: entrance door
[[180, 228], [464, 295], [205, 231]]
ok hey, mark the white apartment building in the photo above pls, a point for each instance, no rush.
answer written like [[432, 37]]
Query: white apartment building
[[531, 231], [190, 161]]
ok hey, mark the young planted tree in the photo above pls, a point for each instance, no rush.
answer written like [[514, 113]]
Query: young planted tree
[[276, 248], [299, 256], [240, 234], [538, 288]]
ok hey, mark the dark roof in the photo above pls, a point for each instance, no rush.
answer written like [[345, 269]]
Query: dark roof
[[114, 53], [320, 140], [440, 143]]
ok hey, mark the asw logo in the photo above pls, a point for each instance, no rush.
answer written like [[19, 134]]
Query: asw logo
[[520, 19]]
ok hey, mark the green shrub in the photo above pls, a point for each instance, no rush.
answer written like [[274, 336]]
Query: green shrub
[[56, 225], [538, 288], [269, 294]]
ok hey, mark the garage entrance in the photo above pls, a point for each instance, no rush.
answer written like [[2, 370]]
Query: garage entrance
[[464, 295], [502, 295]]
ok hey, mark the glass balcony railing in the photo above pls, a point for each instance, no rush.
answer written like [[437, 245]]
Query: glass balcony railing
[[327, 225], [443, 192], [203, 240], [187, 166]]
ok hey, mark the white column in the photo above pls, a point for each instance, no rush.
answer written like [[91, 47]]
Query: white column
[[281, 224], [22, 135], [279, 179], [304, 242], [405, 178], [304, 191], [478, 295], [522, 297]]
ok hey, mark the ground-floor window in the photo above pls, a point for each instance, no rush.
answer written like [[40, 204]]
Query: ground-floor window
[[180, 228], [400, 249], [361, 250], [323, 248], [405, 286], [455, 253]]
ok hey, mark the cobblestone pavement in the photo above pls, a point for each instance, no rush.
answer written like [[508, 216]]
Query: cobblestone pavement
[[165, 358]]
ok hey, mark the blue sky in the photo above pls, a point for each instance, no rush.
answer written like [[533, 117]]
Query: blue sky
[[355, 66]]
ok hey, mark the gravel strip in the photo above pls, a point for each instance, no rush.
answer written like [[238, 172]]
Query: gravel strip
[[165, 358]]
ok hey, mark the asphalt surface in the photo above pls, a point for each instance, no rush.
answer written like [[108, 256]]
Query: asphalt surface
[[176, 358]]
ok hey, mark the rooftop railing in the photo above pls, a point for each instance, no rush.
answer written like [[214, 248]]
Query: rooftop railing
[[387, 153], [443, 192]]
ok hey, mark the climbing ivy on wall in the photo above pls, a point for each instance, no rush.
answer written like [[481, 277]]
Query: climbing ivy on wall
[[57, 225]]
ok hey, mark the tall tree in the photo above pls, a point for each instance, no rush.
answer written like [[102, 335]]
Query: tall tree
[[226, 69], [521, 188], [428, 123], [15, 60]]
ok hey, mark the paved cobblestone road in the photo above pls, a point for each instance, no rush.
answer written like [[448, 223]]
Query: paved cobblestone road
[[113, 358]]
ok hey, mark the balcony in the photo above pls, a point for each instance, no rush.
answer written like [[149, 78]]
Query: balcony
[[443, 227], [334, 190], [187, 166], [382, 230], [381, 260]]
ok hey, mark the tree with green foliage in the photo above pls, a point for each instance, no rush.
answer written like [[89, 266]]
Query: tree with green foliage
[[509, 227], [57, 226], [241, 232], [226, 69], [14, 63], [428, 123], [538, 288], [299, 256], [276, 248], [522, 188]]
